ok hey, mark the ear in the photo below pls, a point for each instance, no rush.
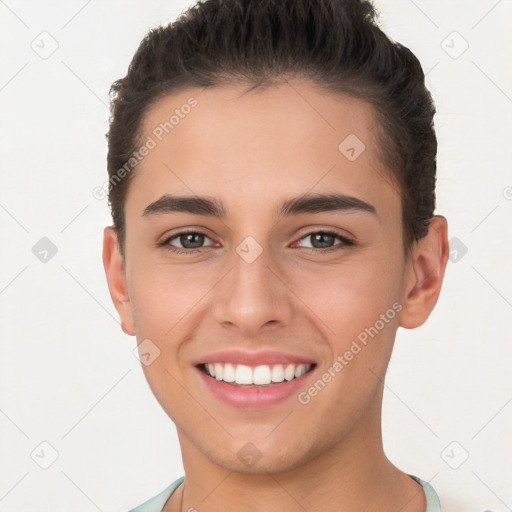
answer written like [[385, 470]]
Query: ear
[[424, 274], [114, 269]]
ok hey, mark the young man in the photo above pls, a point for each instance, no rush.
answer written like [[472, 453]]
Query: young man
[[272, 175]]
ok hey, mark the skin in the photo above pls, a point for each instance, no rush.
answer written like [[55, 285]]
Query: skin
[[252, 151]]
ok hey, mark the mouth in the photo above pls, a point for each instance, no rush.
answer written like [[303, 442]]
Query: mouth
[[254, 387], [264, 375]]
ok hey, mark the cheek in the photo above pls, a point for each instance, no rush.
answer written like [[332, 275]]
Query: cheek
[[349, 296], [360, 308], [162, 295]]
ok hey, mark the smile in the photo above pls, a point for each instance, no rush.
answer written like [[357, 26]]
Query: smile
[[256, 387], [261, 375]]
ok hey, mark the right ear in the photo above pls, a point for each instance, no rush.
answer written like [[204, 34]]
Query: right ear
[[116, 279]]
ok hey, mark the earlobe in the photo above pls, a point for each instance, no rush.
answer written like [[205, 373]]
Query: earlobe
[[425, 274], [116, 279]]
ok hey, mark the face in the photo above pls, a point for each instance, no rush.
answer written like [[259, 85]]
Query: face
[[256, 278]]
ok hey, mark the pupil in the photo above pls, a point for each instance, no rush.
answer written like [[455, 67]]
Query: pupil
[[188, 238], [324, 243]]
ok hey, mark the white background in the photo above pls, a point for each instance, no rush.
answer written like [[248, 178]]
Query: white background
[[67, 372]]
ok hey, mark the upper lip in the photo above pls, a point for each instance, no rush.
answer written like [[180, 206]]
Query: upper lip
[[254, 358]]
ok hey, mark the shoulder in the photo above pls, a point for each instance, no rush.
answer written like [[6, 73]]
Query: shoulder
[[156, 503], [432, 499]]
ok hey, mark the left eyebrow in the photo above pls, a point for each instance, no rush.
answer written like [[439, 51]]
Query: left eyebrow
[[318, 203], [307, 203]]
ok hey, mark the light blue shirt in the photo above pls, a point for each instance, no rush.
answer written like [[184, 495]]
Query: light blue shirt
[[157, 503]]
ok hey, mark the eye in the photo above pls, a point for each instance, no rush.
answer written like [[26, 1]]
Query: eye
[[190, 241], [324, 241]]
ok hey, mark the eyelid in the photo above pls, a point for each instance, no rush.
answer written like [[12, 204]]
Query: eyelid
[[315, 228]]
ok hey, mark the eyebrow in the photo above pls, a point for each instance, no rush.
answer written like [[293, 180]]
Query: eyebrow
[[307, 203]]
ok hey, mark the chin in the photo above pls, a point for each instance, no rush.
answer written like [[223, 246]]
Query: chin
[[267, 464], [260, 456]]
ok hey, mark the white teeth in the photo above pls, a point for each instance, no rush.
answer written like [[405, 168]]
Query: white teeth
[[289, 372], [219, 371], [300, 370], [243, 374], [260, 375], [277, 373], [229, 373]]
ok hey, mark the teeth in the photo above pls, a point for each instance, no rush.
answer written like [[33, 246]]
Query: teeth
[[289, 372], [219, 371], [277, 373], [260, 375], [229, 373], [243, 374]]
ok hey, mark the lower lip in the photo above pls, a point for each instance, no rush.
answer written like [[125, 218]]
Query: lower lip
[[261, 396]]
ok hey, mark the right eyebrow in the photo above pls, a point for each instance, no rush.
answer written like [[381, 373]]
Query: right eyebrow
[[186, 204]]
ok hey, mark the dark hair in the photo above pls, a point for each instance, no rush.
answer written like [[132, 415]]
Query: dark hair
[[336, 44]]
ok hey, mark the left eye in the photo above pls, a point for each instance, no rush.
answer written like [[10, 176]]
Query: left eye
[[324, 240]]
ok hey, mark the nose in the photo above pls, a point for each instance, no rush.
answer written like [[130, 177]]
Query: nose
[[252, 297]]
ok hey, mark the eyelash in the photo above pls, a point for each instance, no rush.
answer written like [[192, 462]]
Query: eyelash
[[176, 250]]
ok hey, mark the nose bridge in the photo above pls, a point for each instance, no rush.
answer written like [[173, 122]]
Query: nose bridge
[[251, 295]]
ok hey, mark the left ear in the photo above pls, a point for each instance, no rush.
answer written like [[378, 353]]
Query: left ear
[[425, 272]]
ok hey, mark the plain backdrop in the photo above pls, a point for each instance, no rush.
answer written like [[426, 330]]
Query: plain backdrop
[[73, 397]]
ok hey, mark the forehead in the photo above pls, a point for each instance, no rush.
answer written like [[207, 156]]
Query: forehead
[[281, 140]]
